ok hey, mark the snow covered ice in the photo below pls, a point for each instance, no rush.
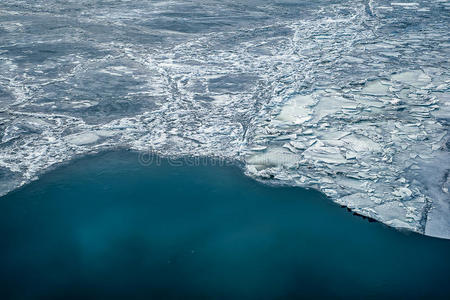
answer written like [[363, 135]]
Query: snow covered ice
[[347, 97]]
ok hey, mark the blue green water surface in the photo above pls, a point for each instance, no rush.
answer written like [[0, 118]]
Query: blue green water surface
[[108, 227]]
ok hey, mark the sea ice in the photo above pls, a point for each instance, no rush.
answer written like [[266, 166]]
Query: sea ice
[[333, 96], [297, 111], [81, 139], [415, 78], [375, 88], [273, 157]]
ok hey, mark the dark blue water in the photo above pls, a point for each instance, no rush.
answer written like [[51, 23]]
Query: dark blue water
[[107, 227]]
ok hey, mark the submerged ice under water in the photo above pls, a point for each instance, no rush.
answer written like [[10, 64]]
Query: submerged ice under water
[[347, 97]]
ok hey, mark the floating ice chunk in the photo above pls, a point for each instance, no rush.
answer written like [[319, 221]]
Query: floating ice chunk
[[444, 107], [360, 143], [400, 224], [221, 99], [286, 137], [402, 192], [274, 157], [299, 145], [83, 104], [405, 4], [105, 133], [393, 212], [297, 110], [375, 88], [329, 105], [334, 143], [320, 152], [357, 200], [258, 148], [290, 147], [415, 78], [352, 184], [82, 138]]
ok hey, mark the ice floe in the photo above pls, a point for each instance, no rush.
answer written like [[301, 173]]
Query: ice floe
[[297, 111], [82, 138]]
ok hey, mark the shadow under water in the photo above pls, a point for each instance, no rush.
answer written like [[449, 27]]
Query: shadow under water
[[108, 227]]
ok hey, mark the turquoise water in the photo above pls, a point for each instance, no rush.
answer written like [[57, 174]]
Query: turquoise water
[[105, 227]]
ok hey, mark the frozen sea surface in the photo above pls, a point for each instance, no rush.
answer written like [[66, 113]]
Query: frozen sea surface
[[347, 97]]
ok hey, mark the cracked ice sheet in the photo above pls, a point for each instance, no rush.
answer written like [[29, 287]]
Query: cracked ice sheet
[[372, 154], [348, 98]]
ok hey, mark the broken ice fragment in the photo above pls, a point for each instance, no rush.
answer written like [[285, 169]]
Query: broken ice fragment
[[297, 110], [84, 138], [375, 88], [415, 78]]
